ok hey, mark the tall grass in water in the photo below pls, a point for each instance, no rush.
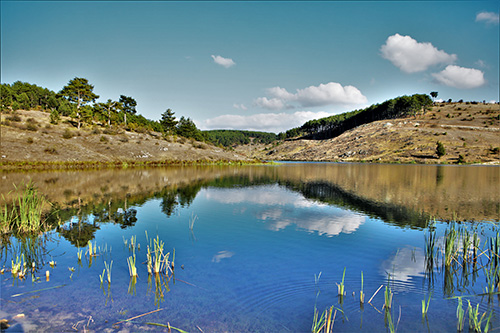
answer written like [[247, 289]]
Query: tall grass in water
[[475, 322], [460, 315], [157, 262], [26, 214], [323, 323], [131, 266], [341, 286], [361, 293], [425, 305], [108, 270]]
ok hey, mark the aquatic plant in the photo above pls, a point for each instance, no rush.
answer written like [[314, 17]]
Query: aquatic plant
[[388, 295], [450, 245], [108, 270], [341, 286], [475, 322], [460, 315], [131, 266], [92, 251], [425, 305], [323, 323], [16, 265], [26, 214], [101, 276], [361, 293], [79, 254], [191, 222]]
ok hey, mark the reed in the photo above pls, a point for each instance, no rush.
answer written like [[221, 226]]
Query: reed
[[131, 266], [450, 245], [476, 321], [341, 286], [16, 265], [388, 294], [191, 222], [323, 323], [460, 315], [92, 251], [108, 270], [79, 255], [361, 293], [425, 305], [101, 276], [26, 214]]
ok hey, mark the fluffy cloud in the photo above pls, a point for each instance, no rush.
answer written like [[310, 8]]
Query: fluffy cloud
[[460, 77], [270, 103], [226, 62], [488, 17], [411, 56], [268, 122], [324, 94]]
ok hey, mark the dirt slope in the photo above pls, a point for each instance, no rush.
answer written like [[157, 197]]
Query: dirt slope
[[29, 136], [470, 130]]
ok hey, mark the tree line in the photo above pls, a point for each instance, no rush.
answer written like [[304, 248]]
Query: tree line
[[333, 126], [77, 100], [229, 138]]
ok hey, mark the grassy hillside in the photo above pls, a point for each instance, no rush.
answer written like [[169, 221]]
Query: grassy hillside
[[28, 136], [469, 130]]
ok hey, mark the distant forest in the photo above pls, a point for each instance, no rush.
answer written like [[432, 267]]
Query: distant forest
[[77, 100], [333, 126], [229, 138]]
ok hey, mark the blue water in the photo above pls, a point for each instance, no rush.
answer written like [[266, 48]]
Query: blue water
[[258, 258]]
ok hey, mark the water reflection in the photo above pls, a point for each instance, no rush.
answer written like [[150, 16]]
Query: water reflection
[[400, 194], [405, 264], [222, 255], [281, 208]]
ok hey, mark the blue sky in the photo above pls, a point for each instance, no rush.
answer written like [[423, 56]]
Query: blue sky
[[264, 66]]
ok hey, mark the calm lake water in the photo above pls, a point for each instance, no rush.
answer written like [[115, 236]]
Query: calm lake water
[[257, 248]]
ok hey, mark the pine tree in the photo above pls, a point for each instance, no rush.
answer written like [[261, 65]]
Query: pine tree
[[168, 121]]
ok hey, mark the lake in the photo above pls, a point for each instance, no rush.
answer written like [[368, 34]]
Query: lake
[[258, 248]]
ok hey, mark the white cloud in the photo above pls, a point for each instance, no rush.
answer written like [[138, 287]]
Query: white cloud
[[240, 106], [325, 94], [330, 93], [460, 77], [488, 17], [270, 104], [411, 56], [226, 62], [268, 122]]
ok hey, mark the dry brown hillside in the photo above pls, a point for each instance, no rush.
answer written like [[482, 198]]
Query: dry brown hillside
[[466, 129], [29, 136]]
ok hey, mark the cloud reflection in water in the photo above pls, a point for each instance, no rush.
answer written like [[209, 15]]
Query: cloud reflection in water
[[281, 208]]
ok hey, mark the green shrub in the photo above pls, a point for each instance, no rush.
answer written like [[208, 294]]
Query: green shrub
[[104, 138], [54, 117], [440, 150]]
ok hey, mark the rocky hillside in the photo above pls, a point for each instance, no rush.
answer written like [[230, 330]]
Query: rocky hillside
[[471, 131], [29, 136]]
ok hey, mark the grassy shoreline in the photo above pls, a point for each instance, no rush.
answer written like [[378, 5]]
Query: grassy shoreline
[[96, 165]]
